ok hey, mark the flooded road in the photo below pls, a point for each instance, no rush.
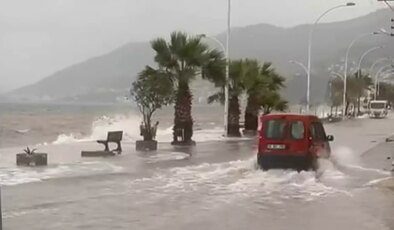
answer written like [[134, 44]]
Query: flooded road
[[215, 185]]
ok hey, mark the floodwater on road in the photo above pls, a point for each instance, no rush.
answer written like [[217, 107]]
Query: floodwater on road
[[215, 185]]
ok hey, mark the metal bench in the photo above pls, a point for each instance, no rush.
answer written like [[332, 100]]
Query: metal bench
[[114, 137]]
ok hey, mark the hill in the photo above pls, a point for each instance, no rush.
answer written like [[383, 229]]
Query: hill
[[108, 77]]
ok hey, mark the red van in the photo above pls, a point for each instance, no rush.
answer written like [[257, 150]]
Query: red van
[[292, 141]]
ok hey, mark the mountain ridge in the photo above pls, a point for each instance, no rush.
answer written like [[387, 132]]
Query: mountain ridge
[[111, 74]]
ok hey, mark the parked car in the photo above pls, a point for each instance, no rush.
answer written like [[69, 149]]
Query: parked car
[[292, 141]]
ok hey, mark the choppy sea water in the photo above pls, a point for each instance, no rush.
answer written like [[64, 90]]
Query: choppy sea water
[[32, 124]]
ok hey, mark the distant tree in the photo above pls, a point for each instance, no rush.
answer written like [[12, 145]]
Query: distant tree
[[152, 90], [262, 84], [236, 88], [386, 92], [357, 85], [336, 93], [272, 101]]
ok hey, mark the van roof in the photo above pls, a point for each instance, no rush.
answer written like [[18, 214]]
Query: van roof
[[289, 116]]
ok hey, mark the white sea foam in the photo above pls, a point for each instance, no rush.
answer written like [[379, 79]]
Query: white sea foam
[[346, 158], [234, 180], [130, 127], [22, 131], [22, 175]]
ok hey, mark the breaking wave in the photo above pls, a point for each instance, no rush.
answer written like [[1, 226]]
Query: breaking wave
[[130, 126]]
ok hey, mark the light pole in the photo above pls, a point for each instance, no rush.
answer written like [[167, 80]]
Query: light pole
[[226, 93], [346, 67], [377, 78], [302, 66], [310, 48], [337, 75], [364, 55], [217, 41], [226, 51], [377, 62], [226, 80]]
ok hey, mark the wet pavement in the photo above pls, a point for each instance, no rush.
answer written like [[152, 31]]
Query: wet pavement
[[215, 185]]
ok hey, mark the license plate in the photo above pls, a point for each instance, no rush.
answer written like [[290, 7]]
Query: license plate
[[276, 147]]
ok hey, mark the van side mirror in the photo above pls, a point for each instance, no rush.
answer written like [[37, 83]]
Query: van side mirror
[[330, 138]]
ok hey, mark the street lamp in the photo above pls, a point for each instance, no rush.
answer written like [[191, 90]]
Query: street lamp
[[377, 78], [377, 62], [310, 47], [226, 50], [364, 55], [338, 75], [300, 64], [226, 94], [217, 41]]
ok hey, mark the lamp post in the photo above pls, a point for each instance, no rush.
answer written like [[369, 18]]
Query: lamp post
[[301, 65], [377, 78], [217, 41], [338, 75], [377, 62], [310, 48], [225, 50], [388, 72], [226, 80], [226, 93], [364, 55]]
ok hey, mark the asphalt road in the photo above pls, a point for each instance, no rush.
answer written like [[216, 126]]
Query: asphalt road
[[215, 185]]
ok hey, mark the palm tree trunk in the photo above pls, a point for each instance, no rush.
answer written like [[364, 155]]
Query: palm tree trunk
[[233, 117], [359, 105], [183, 121], [251, 114]]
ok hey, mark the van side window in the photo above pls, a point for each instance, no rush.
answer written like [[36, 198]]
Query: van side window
[[297, 130], [275, 129], [317, 132]]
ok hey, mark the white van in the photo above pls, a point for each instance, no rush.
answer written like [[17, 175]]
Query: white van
[[378, 109]]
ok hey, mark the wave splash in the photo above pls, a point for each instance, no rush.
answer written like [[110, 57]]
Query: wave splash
[[130, 127]]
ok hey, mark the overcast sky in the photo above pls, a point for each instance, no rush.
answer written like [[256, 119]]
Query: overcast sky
[[38, 37]]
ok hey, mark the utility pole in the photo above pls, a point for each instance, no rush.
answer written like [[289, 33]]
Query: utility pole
[[1, 213]]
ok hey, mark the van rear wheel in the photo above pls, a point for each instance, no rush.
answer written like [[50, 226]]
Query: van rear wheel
[[261, 164], [313, 163]]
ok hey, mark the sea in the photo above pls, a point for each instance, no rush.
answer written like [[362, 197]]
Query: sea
[[36, 124]]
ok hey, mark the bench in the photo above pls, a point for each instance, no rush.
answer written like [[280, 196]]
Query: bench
[[114, 137]]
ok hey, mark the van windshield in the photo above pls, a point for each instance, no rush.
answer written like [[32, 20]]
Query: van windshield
[[275, 129], [378, 105]]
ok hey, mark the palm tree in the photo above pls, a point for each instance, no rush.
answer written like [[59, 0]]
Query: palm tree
[[236, 75], [357, 85], [364, 82], [183, 58], [262, 84]]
